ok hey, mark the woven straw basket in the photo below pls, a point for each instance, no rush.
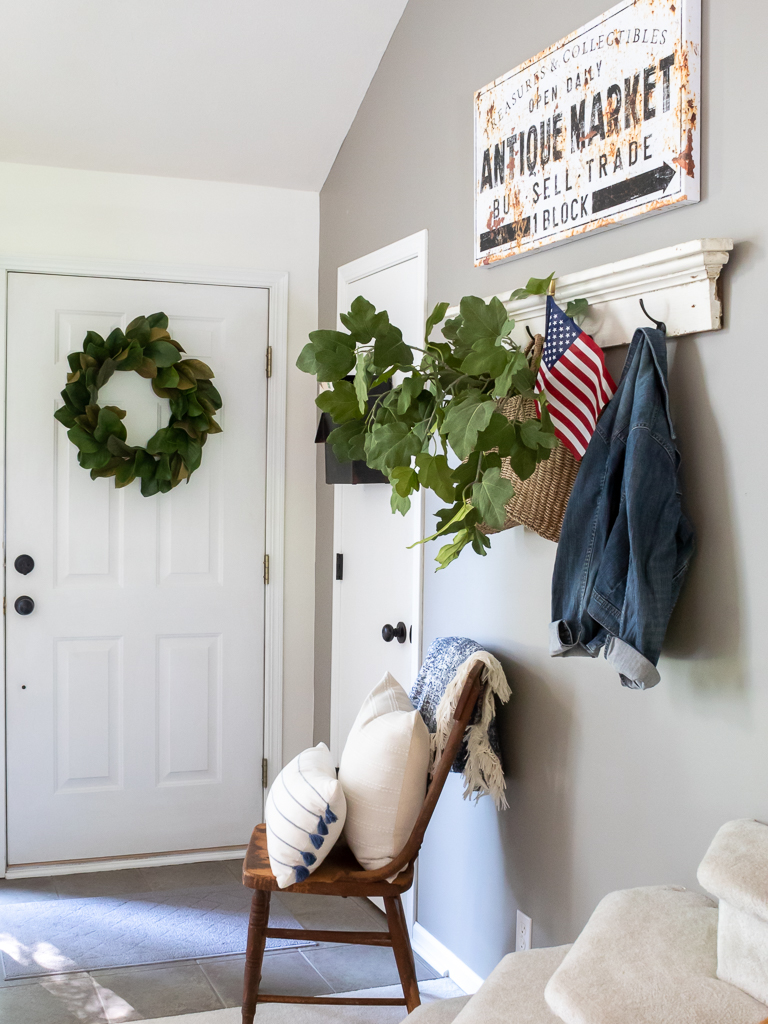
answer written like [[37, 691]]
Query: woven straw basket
[[540, 501]]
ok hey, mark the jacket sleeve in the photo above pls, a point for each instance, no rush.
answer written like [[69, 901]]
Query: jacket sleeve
[[638, 582]]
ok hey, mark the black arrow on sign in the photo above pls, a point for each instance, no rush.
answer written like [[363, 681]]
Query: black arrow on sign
[[633, 188]]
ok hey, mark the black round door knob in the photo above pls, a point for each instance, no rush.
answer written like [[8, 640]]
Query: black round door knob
[[399, 631], [24, 605], [24, 564]]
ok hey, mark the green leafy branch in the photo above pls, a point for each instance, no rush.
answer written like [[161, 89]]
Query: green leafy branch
[[175, 451], [446, 400]]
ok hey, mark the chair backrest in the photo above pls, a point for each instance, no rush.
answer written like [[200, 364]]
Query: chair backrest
[[465, 707]]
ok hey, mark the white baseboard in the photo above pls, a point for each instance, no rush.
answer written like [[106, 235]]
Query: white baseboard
[[157, 860], [443, 960]]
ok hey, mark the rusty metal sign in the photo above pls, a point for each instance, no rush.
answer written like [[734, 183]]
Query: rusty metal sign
[[600, 127]]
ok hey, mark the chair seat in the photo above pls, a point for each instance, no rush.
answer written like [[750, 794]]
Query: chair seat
[[332, 878]]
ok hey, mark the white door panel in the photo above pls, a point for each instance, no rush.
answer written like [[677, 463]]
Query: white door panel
[[382, 577], [135, 687], [378, 587]]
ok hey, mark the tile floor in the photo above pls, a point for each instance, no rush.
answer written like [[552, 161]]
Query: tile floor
[[189, 986]]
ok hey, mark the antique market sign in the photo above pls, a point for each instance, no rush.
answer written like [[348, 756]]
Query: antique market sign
[[601, 127]]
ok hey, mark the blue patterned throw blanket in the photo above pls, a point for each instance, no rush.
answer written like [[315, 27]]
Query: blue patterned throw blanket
[[436, 693]]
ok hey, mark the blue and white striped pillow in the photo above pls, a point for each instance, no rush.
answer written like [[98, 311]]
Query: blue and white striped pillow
[[305, 814]]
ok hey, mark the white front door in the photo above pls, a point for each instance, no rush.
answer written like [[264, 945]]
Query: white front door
[[381, 583], [135, 686]]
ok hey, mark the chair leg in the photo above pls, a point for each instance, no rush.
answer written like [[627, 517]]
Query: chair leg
[[401, 945], [254, 953]]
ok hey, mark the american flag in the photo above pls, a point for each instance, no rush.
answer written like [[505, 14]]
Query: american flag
[[574, 378]]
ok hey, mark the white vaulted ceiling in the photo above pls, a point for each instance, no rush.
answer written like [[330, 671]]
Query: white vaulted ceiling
[[256, 91]]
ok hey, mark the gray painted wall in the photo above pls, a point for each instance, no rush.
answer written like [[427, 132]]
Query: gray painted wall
[[608, 788]]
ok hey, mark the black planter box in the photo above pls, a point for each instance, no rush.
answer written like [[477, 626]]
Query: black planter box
[[356, 472], [336, 472]]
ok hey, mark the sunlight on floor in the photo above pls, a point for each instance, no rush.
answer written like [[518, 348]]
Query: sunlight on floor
[[81, 994], [42, 953]]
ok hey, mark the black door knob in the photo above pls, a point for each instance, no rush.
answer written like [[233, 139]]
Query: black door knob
[[24, 564], [24, 605], [399, 631]]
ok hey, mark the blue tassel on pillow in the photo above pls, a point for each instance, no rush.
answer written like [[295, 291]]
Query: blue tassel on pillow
[[309, 859], [330, 817], [322, 828], [316, 840], [301, 874]]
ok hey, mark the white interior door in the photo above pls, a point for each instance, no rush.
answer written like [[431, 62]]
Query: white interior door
[[135, 686], [382, 579]]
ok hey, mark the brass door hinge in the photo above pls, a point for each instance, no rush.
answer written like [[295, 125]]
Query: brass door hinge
[[269, 360], [264, 766], [266, 568]]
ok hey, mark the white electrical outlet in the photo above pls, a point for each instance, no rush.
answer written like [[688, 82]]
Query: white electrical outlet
[[523, 932]]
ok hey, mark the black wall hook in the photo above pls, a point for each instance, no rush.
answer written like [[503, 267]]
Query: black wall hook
[[659, 324], [528, 329]]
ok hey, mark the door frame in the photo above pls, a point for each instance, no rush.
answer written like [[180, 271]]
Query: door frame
[[276, 283], [413, 247]]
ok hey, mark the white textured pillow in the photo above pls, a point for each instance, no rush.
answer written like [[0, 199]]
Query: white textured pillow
[[305, 814], [384, 774]]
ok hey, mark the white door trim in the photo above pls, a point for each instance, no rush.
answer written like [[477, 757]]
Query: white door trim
[[409, 248], [276, 282]]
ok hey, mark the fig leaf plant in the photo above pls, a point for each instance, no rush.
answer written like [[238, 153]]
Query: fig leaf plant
[[438, 426]]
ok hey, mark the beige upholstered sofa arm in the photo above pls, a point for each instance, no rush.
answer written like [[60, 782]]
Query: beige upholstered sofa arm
[[513, 993]]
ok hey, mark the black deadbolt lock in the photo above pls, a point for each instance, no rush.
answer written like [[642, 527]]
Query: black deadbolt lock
[[24, 564], [399, 631], [24, 605]]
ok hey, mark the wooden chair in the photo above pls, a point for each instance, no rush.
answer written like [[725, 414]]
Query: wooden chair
[[341, 875]]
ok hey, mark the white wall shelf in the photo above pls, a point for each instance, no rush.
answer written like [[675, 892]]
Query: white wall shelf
[[679, 285]]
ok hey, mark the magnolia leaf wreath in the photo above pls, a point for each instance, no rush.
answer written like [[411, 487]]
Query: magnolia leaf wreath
[[175, 451]]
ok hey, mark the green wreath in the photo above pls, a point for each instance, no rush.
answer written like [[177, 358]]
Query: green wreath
[[175, 451]]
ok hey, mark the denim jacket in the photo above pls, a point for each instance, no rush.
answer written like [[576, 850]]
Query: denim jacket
[[625, 545]]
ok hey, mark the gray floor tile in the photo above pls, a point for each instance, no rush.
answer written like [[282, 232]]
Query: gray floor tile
[[186, 876], [62, 1000], [16, 982], [327, 912], [348, 968], [161, 966], [423, 971], [283, 973], [100, 883], [158, 992], [26, 890], [378, 916], [226, 976], [235, 868]]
